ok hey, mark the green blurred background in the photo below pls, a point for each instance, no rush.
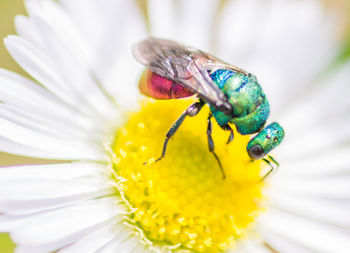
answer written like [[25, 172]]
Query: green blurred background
[[10, 8]]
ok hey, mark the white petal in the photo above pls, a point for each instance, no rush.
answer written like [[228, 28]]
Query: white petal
[[51, 171], [63, 23], [193, 28], [331, 162], [283, 244], [11, 147], [112, 62], [56, 229], [322, 104], [329, 187], [77, 75], [72, 149], [34, 189], [274, 45], [40, 67], [238, 30], [96, 240], [52, 127], [23, 109], [45, 70], [22, 93], [250, 246], [123, 244], [184, 19], [19, 206], [162, 18], [22, 249], [328, 211], [26, 29], [318, 140], [313, 235], [111, 238]]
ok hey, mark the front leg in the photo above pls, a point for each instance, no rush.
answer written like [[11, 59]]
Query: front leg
[[228, 128], [211, 145], [191, 111], [271, 166]]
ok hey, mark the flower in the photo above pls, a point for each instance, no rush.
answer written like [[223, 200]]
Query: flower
[[97, 198]]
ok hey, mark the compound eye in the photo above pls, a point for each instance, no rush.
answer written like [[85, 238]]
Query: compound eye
[[256, 152]]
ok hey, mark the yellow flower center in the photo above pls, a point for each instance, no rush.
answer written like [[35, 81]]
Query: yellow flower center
[[182, 201]]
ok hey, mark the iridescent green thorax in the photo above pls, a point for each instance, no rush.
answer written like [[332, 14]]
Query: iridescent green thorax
[[270, 137], [250, 106]]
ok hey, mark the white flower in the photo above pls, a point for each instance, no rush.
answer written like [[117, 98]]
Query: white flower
[[79, 54]]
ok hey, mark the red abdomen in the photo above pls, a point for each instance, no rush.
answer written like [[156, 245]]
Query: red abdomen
[[158, 87]]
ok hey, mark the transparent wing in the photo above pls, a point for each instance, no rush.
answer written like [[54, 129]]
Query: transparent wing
[[184, 65], [212, 63]]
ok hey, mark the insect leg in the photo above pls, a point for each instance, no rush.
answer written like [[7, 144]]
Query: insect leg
[[191, 111], [273, 160], [268, 173], [271, 167], [211, 145], [228, 128]]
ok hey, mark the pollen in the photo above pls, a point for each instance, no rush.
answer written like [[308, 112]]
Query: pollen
[[182, 202]]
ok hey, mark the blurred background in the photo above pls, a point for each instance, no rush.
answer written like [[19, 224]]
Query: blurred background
[[10, 8]]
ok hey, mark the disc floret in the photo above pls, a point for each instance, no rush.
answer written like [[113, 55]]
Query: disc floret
[[182, 201]]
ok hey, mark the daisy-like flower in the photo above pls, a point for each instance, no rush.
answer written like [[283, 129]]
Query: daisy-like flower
[[82, 109]]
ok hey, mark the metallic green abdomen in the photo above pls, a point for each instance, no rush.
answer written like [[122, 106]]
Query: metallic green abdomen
[[250, 106]]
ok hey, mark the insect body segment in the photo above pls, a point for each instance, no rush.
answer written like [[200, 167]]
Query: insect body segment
[[158, 87], [270, 137], [250, 105], [176, 71]]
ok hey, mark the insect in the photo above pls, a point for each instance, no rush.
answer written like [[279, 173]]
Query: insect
[[234, 96]]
